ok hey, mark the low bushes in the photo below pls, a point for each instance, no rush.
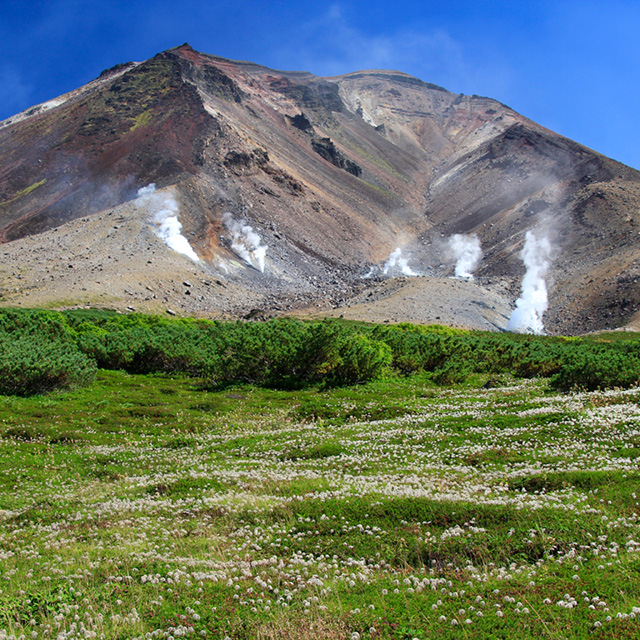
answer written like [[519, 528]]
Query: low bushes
[[598, 367], [39, 353], [140, 349], [289, 354], [48, 350], [44, 350]]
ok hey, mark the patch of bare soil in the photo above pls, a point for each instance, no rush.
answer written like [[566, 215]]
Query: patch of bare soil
[[428, 300], [112, 260]]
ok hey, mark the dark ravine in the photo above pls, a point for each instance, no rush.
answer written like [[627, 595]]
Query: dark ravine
[[333, 174]]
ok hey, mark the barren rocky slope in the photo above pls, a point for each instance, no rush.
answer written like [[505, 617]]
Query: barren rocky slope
[[294, 190]]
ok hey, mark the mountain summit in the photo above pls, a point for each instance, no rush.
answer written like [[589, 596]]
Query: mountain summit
[[198, 184]]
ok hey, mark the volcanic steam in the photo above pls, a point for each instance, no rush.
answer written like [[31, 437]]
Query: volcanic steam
[[467, 252], [396, 263], [245, 242], [165, 210], [532, 303]]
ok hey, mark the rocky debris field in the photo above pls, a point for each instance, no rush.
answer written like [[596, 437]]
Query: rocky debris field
[[115, 260], [429, 300]]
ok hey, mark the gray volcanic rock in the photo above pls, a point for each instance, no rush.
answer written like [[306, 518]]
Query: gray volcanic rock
[[293, 188]]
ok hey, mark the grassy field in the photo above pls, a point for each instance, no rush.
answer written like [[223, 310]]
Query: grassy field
[[148, 506]]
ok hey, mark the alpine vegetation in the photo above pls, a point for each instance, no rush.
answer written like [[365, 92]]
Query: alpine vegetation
[[167, 226], [246, 243], [467, 252], [145, 506], [533, 302]]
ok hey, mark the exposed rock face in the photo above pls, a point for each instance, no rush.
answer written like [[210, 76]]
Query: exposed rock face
[[327, 150], [331, 174]]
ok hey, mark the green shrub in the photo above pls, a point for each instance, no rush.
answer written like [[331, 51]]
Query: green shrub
[[342, 356], [29, 366], [140, 349], [38, 353], [289, 353], [41, 352], [46, 325], [269, 353], [414, 351], [454, 371], [597, 368]]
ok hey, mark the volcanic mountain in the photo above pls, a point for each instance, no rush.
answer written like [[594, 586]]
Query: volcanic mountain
[[278, 192]]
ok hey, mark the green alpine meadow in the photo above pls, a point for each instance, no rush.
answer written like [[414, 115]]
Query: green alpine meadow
[[168, 477]]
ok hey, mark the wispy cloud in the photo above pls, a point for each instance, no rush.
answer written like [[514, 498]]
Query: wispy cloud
[[15, 92], [330, 44], [333, 46]]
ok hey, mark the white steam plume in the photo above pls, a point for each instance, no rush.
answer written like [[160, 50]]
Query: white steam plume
[[167, 226], [533, 301], [396, 262], [246, 243], [467, 253]]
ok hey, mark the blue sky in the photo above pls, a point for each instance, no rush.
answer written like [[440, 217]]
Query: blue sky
[[572, 66]]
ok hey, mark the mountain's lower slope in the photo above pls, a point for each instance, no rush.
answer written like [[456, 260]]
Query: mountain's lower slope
[[292, 189], [114, 259]]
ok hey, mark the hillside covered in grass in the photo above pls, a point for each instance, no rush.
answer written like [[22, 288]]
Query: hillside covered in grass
[[184, 478]]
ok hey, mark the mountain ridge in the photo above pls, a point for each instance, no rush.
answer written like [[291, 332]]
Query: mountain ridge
[[332, 174]]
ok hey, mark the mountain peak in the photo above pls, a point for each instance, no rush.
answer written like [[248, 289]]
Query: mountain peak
[[183, 47], [295, 191]]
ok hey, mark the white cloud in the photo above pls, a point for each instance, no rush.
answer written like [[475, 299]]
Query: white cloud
[[330, 44]]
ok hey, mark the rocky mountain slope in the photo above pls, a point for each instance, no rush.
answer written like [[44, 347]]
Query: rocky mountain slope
[[294, 191]]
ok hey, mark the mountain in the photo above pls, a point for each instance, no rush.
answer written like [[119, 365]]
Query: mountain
[[294, 191]]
